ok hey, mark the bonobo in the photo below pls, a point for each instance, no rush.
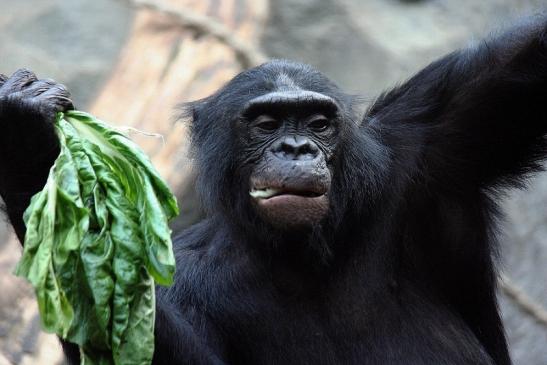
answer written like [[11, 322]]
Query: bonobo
[[329, 238]]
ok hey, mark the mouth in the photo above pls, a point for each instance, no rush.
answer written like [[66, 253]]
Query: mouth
[[296, 205], [271, 192]]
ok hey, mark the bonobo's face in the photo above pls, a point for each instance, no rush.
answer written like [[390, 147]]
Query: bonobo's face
[[290, 137]]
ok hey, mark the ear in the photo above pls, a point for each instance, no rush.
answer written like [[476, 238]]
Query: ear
[[191, 111]]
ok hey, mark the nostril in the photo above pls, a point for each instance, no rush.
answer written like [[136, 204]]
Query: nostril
[[308, 149], [288, 148], [296, 148]]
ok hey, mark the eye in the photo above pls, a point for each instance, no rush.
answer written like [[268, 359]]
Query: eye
[[319, 124], [267, 123]]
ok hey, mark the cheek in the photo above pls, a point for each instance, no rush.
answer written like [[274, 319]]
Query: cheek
[[250, 151], [327, 144]]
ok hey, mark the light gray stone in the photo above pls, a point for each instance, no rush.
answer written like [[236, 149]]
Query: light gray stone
[[75, 42]]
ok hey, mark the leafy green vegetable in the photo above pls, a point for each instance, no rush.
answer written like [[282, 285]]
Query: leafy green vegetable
[[97, 238]]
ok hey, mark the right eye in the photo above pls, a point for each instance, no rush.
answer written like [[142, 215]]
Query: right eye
[[319, 124], [267, 124]]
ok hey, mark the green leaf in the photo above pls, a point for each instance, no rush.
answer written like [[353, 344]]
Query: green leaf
[[97, 239]]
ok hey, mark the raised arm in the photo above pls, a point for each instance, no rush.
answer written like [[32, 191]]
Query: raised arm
[[477, 117]]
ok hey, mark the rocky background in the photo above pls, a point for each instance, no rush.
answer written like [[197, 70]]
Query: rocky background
[[364, 45]]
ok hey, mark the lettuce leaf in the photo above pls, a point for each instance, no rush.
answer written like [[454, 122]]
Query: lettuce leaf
[[97, 239]]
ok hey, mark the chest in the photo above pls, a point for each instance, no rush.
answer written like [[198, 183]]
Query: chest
[[331, 327]]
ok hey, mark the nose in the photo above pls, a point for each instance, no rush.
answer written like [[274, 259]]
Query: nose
[[295, 148]]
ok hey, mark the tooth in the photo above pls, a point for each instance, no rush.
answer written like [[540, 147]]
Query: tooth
[[263, 193]]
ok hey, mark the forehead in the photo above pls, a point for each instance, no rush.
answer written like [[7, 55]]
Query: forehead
[[293, 102], [284, 81], [285, 96]]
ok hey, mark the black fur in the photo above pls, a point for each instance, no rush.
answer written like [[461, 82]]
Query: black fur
[[402, 269]]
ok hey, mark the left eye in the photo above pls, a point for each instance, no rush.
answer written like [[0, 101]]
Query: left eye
[[319, 125], [268, 125]]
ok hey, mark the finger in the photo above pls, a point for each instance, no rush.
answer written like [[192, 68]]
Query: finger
[[19, 80], [62, 103], [59, 96], [39, 87], [57, 90]]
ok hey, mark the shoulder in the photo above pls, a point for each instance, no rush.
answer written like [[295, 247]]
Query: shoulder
[[202, 242], [207, 260], [189, 246], [194, 245], [194, 236]]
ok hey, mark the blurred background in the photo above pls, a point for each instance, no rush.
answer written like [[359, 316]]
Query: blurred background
[[131, 62]]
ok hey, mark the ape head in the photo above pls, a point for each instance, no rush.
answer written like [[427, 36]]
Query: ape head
[[279, 147], [293, 147]]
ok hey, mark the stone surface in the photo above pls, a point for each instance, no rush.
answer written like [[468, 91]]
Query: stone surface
[[75, 42]]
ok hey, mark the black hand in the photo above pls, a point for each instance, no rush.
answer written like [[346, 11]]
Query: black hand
[[44, 96], [28, 144]]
